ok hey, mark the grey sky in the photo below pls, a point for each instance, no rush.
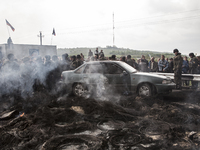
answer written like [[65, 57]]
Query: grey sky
[[158, 25]]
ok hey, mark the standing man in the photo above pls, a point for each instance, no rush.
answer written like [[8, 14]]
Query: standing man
[[73, 64], [79, 61], [163, 64], [153, 66], [178, 62], [129, 60], [96, 53], [171, 65], [135, 65], [143, 64], [198, 67], [90, 53], [193, 64], [101, 55]]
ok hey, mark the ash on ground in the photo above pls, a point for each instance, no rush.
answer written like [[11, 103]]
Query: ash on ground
[[49, 122]]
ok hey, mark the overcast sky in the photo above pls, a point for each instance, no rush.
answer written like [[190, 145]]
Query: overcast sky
[[157, 25]]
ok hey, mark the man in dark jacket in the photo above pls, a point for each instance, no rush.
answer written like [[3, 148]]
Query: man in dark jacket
[[101, 55], [129, 60], [171, 66], [90, 53], [193, 63], [73, 64], [79, 61], [178, 62], [153, 66], [143, 64], [198, 67], [135, 65]]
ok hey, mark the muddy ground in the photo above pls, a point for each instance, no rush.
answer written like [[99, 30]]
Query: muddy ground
[[51, 122]]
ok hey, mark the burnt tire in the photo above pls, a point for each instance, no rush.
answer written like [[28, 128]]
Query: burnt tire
[[78, 90], [145, 90]]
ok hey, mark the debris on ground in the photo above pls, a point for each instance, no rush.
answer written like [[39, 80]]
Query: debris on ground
[[48, 122]]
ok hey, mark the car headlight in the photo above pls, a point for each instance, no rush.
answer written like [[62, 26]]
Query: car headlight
[[166, 81]]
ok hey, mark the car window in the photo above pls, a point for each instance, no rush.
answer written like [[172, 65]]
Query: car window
[[112, 69], [93, 68], [80, 70]]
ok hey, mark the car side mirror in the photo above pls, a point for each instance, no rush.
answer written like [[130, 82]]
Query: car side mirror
[[125, 73]]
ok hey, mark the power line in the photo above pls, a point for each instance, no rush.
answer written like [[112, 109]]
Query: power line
[[125, 24], [116, 22], [134, 25]]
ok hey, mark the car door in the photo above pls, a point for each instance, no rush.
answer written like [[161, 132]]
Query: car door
[[93, 75], [117, 76]]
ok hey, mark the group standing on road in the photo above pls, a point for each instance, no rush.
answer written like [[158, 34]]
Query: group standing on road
[[35, 73]]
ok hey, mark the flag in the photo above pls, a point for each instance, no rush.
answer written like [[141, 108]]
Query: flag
[[10, 25], [54, 33]]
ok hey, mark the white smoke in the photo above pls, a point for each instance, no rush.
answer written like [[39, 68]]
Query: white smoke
[[19, 76]]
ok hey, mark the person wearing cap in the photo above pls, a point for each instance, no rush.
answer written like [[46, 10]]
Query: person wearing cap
[[177, 67], [193, 63]]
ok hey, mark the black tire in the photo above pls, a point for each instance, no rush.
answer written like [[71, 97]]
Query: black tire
[[78, 90], [145, 90]]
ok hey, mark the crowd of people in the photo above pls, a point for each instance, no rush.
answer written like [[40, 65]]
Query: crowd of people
[[176, 65], [32, 73], [162, 64]]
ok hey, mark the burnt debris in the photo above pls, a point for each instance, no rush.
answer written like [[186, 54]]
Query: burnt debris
[[46, 122]]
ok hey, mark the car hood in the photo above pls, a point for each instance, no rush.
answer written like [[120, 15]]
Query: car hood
[[150, 75]]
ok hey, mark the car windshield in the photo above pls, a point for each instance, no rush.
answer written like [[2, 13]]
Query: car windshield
[[127, 67]]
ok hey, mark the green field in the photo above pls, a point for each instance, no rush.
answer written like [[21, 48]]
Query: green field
[[108, 51]]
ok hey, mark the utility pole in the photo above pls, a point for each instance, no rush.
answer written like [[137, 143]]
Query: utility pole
[[113, 31], [41, 36]]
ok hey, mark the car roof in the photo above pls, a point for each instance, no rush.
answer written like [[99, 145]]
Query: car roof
[[107, 61]]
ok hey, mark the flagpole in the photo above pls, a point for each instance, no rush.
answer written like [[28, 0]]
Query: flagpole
[[51, 39], [8, 31]]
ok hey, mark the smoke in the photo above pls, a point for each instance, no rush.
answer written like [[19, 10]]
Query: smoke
[[24, 76], [102, 85]]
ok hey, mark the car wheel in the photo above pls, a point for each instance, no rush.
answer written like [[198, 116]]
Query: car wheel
[[145, 90], [78, 90]]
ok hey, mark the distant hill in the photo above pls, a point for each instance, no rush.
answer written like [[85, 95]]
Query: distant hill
[[108, 51]]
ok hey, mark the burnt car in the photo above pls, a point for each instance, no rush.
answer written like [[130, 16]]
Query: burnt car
[[115, 75]]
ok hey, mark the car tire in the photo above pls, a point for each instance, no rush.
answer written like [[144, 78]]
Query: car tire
[[78, 90], [145, 90]]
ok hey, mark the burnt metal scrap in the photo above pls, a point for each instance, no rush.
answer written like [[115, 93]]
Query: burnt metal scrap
[[46, 122]]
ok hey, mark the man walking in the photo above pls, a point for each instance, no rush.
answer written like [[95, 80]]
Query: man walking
[[178, 62]]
